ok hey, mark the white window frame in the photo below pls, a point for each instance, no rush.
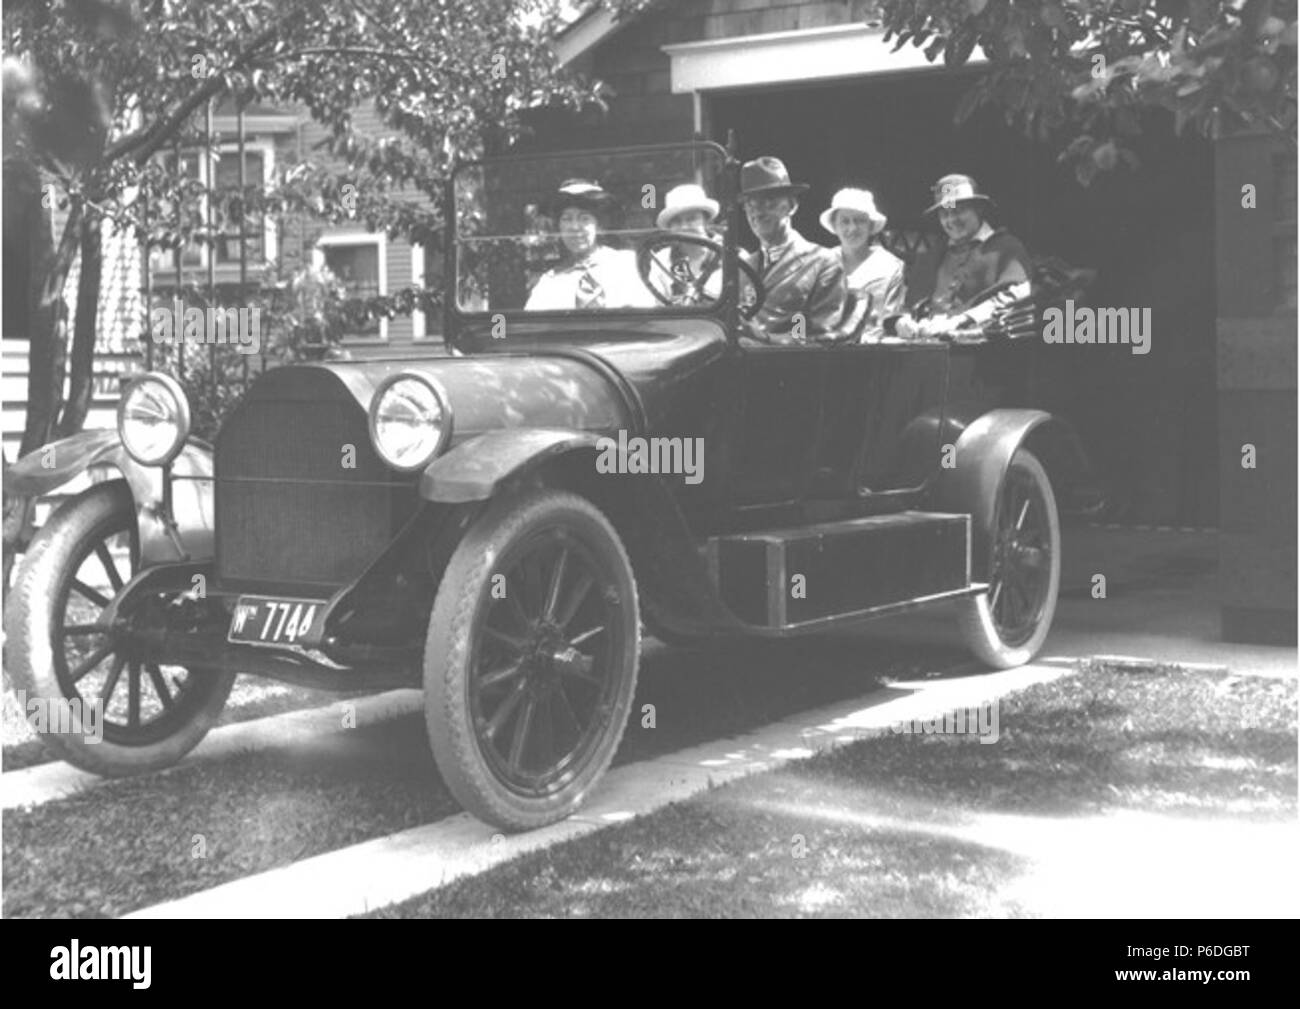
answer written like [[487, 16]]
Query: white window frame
[[336, 239], [419, 323], [163, 261]]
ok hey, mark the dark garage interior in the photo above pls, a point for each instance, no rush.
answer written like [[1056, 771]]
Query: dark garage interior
[[1148, 420]]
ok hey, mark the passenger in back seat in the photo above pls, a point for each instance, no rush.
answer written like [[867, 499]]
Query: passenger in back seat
[[953, 279], [873, 276]]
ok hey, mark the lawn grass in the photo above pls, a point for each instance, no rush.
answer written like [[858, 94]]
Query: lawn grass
[[127, 844], [251, 697], [135, 842], [926, 825]]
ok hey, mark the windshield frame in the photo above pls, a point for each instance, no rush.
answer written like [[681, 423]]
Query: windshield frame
[[457, 319]]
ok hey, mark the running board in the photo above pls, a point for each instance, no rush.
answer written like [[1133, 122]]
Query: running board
[[782, 579]]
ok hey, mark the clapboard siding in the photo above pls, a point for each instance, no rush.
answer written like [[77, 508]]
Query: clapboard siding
[[632, 62], [13, 397], [13, 389], [366, 120]]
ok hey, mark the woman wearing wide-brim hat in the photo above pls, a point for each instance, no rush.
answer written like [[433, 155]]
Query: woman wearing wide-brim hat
[[873, 276], [593, 275], [952, 278], [688, 209]]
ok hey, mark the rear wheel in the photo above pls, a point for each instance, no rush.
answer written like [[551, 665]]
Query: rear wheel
[[531, 659], [1007, 625], [153, 714]]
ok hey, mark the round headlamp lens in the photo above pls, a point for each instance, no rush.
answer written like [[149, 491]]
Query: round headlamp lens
[[153, 419], [408, 422]]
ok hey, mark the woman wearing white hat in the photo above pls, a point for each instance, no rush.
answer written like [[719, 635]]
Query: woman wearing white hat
[[689, 210], [873, 276]]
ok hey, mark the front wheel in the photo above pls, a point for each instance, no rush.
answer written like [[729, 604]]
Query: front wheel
[[530, 662], [131, 714], [1007, 625]]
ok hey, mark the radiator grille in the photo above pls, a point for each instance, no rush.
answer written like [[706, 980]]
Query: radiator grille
[[289, 511]]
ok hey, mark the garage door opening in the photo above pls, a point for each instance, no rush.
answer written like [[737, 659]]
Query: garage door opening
[[1148, 420]]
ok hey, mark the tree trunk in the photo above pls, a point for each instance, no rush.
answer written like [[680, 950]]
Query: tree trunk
[[46, 359], [81, 362], [48, 354]]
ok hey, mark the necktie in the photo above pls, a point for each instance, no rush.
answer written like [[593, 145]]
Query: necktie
[[589, 294], [682, 276]]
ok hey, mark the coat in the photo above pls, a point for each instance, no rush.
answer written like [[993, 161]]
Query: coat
[[613, 269], [952, 276], [803, 279]]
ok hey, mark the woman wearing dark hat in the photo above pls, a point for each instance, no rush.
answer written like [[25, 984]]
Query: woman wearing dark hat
[[976, 258], [593, 275]]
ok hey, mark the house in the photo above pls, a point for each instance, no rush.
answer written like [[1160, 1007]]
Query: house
[[368, 263], [814, 82], [1198, 433]]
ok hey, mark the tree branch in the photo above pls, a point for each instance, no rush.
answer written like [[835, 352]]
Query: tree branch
[[143, 144]]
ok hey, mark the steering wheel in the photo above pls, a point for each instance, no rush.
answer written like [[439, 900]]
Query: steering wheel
[[647, 258]]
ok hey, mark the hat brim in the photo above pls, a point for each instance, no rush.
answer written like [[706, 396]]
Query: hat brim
[[827, 220], [794, 188], [553, 206], [709, 208], [978, 198]]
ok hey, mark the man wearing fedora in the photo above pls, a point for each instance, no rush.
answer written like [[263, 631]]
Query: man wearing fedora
[[592, 275], [692, 272], [804, 281], [976, 257]]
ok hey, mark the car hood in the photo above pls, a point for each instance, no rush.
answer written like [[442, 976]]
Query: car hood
[[600, 381]]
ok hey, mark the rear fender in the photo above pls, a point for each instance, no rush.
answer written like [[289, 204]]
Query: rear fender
[[982, 453], [54, 465]]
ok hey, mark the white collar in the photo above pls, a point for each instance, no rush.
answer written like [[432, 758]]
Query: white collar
[[983, 235], [594, 258]]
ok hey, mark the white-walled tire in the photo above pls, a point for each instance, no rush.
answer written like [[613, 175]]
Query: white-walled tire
[[1007, 625], [530, 662], [153, 714]]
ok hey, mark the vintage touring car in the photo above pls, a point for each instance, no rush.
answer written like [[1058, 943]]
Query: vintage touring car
[[446, 520]]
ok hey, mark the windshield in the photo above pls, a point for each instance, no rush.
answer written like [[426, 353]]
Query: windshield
[[638, 229]]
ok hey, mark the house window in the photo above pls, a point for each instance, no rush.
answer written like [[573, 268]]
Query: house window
[[425, 271], [257, 235], [259, 228], [359, 261]]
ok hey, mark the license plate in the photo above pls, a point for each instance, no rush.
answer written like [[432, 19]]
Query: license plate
[[264, 620]]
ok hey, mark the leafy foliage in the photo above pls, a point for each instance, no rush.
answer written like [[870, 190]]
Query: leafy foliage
[[106, 86], [98, 92], [1084, 71], [303, 318]]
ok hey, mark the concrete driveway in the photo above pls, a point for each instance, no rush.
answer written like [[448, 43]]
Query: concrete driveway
[[1160, 604]]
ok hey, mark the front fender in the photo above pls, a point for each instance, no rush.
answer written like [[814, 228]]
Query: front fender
[[982, 454], [53, 465], [475, 469]]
